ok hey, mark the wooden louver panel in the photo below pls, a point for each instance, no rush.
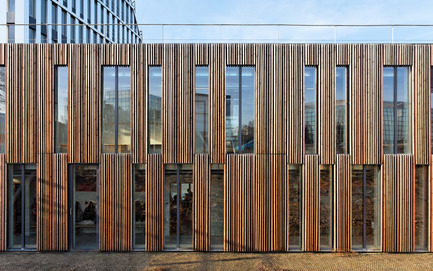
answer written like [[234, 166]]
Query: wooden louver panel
[[429, 211], [398, 203], [115, 200], [52, 202], [201, 208], [3, 203], [343, 204]]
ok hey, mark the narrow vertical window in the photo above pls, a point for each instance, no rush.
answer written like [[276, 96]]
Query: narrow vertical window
[[310, 114], [2, 108], [21, 206], [201, 109], [365, 207], [326, 207], [421, 208], [295, 207], [54, 21], [342, 110], [395, 110], [61, 109], [431, 107], [116, 110], [240, 109], [139, 206], [64, 27], [154, 107], [217, 207]]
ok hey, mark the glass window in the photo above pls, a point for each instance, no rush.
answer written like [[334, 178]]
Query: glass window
[[116, 110], [54, 17], [421, 207], [201, 109], [217, 207], [61, 109], [240, 109], [11, 5], [11, 33], [342, 110], [64, 27], [44, 11], [295, 207], [83, 204], [2, 108], [32, 8], [139, 205], [178, 197], [326, 215], [395, 110], [21, 206], [310, 115], [155, 99], [431, 107], [365, 207]]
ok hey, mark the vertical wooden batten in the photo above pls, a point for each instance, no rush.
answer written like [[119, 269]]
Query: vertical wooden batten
[[201, 207]]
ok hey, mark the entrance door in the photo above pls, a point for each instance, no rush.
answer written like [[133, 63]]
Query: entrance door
[[83, 207], [178, 197]]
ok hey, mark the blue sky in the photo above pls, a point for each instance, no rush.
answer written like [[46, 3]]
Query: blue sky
[[289, 11]]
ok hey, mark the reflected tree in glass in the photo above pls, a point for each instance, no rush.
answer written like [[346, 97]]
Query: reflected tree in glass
[[61, 109], [139, 205], [295, 207], [325, 207], [201, 109], [310, 101], [342, 110], [154, 107]]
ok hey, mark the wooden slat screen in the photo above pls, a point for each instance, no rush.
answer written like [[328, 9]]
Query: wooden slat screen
[[311, 204], [2, 54], [3, 203], [115, 203], [52, 202], [398, 197], [343, 203], [201, 208], [154, 203], [429, 210]]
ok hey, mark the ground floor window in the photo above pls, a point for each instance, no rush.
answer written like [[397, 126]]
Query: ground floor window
[[421, 208], [326, 200], [139, 206], [217, 207], [295, 207]]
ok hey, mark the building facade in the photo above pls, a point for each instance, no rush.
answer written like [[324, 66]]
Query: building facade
[[68, 21], [234, 147]]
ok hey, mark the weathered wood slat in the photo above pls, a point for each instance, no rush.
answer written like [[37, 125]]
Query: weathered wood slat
[[201, 207]]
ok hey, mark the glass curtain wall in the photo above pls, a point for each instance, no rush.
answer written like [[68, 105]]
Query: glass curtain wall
[[154, 107], [421, 207], [240, 99], [21, 215], [342, 109], [201, 109], [217, 207], [310, 104], [326, 214], [295, 207], [2, 108], [139, 205], [61, 109]]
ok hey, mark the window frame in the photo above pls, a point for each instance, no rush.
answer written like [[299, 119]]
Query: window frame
[[135, 247], [56, 104], [195, 109], [348, 109], [148, 106], [316, 120]]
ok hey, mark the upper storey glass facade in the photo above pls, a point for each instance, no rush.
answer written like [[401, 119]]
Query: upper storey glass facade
[[78, 21]]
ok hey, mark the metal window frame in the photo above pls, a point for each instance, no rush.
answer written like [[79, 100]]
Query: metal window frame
[[316, 134], [148, 103], [348, 111], [56, 103], [208, 105]]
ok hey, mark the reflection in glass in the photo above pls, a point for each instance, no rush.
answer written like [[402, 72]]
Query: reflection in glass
[[61, 109], [342, 109], [431, 107], [85, 207], [2, 107], [178, 181], [326, 207], [357, 206], [421, 207], [217, 207], [124, 110], [240, 99], [201, 109], [295, 207], [22, 206], [310, 100], [109, 110], [395, 110], [139, 205], [155, 98]]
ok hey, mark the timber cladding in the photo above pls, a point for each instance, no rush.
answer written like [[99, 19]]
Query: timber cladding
[[256, 197]]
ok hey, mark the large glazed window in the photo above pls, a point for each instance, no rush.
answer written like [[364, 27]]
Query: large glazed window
[[217, 207], [2, 108], [395, 110], [154, 107], [295, 207], [83, 207], [365, 207], [310, 115], [326, 207], [342, 110], [61, 109], [116, 110], [421, 207], [201, 109], [240, 99], [139, 205], [21, 206]]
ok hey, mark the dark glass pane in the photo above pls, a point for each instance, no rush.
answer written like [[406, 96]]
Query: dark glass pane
[[421, 207], [139, 205], [61, 110], [402, 110], [248, 99], [85, 207], [310, 100], [2, 108], [108, 110], [124, 110], [388, 110], [431, 108], [341, 109], [170, 206], [15, 187], [232, 109], [217, 207], [325, 207], [372, 203], [185, 206], [201, 109], [30, 205], [155, 97], [357, 206], [295, 207]]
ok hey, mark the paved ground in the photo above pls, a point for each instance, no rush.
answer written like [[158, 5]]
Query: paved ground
[[214, 261]]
